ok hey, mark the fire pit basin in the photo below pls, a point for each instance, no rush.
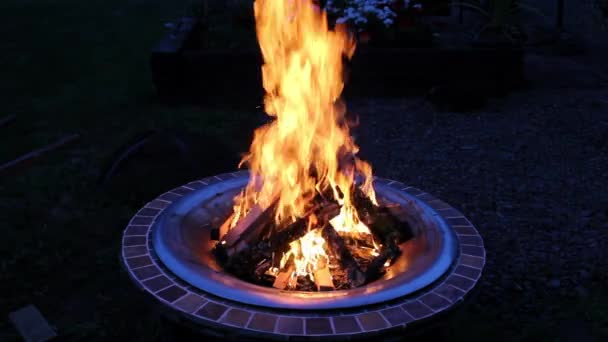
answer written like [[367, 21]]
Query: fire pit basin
[[167, 250], [182, 241]]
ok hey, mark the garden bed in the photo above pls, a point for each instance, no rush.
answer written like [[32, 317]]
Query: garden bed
[[183, 67]]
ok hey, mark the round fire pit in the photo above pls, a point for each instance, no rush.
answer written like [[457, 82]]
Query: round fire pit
[[167, 250]]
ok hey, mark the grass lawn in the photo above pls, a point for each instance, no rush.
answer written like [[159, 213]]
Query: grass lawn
[[82, 67]]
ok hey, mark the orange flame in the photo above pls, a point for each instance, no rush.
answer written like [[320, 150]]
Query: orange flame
[[308, 252], [301, 153]]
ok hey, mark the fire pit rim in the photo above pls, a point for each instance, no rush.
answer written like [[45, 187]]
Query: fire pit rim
[[185, 303]]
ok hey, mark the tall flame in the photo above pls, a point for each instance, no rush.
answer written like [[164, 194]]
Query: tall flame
[[302, 152]]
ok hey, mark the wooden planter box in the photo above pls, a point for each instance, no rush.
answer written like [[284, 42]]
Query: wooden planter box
[[182, 69]]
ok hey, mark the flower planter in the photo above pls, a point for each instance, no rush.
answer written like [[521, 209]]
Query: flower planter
[[185, 69]]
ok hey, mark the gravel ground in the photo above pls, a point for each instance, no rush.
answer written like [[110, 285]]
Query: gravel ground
[[530, 171]]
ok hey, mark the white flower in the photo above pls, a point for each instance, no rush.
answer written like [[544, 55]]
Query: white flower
[[360, 12]]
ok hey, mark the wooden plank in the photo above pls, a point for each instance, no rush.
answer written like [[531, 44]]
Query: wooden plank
[[285, 279], [39, 152], [323, 279], [247, 230], [247, 222], [31, 324], [225, 227]]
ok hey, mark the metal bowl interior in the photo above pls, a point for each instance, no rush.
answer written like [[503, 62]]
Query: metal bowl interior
[[182, 241]]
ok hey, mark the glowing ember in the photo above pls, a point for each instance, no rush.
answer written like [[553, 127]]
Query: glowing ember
[[309, 254], [307, 152]]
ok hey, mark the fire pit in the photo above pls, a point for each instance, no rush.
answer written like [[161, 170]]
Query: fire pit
[[183, 241], [308, 242], [168, 252]]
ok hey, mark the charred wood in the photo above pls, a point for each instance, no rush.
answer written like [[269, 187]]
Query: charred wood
[[377, 266], [339, 250], [366, 210], [279, 241]]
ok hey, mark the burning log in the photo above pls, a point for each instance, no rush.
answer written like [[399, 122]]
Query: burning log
[[405, 222], [376, 267], [247, 230], [391, 221], [322, 277], [338, 248], [298, 229], [366, 210], [278, 243], [327, 212], [285, 278]]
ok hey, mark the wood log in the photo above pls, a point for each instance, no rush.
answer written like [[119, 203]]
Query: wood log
[[280, 240], [392, 221], [247, 231], [366, 210], [377, 266], [339, 250], [285, 279], [404, 221], [225, 227], [322, 278], [328, 211], [252, 220]]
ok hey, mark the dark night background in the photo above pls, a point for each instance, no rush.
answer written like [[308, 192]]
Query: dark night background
[[528, 165]]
